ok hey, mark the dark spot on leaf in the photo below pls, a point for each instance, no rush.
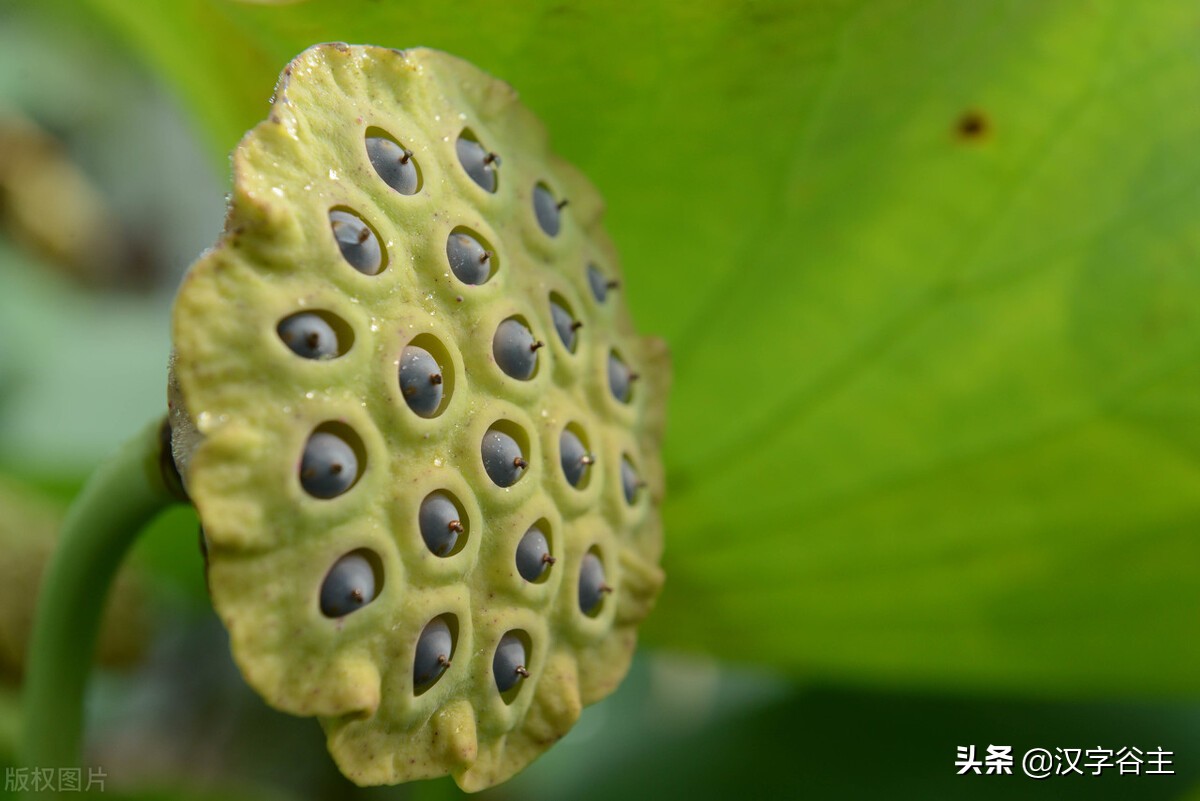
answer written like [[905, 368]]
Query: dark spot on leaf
[[972, 126]]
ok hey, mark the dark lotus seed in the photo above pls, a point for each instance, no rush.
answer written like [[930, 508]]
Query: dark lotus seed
[[329, 465], [435, 646], [565, 324], [357, 242], [478, 162], [508, 665], [309, 335], [440, 523], [574, 457], [546, 208], [502, 458], [420, 381], [598, 283], [470, 262], [394, 164], [619, 377], [533, 554], [515, 349], [630, 482], [349, 586], [591, 583]]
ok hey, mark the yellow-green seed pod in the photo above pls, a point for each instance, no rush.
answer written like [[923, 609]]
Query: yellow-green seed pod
[[309, 471]]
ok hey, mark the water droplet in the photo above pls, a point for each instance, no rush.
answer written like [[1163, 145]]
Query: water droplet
[[333, 176]]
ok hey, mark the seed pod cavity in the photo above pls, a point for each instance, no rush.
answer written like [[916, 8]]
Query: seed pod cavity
[[471, 261], [421, 381], [442, 523], [574, 457], [358, 243], [509, 663], [533, 555], [352, 583], [330, 464], [435, 648], [480, 163], [515, 349], [394, 163], [503, 458]]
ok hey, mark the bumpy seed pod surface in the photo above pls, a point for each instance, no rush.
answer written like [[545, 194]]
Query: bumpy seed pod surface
[[369, 444]]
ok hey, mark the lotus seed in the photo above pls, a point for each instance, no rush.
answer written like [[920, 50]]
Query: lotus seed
[[599, 284], [515, 349], [479, 163], [435, 646], [440, 523], [565, 324], [470, 261], [357, 241], [533, 555], [329, 466], [508, 665], [394, 164], [630, 482], [574, 457], [349, 586], [420, 381], [502, 458], [547, 209], [591, 583], [620, 377], [309, 335]]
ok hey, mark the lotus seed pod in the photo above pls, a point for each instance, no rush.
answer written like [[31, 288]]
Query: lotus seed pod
[[394, 164], [533, 555], [509, 663], [309, 335], [440, 523], [434, 649], [420, 380], [470, 261], [515, 349], [295, 465], [349, 586]]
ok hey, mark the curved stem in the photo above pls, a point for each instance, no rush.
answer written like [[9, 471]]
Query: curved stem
[[120, 497]]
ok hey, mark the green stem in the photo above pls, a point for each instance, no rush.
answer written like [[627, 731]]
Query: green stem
[[123, 495]]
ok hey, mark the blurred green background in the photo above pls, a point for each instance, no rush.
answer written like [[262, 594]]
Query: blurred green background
[[930, 272]]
